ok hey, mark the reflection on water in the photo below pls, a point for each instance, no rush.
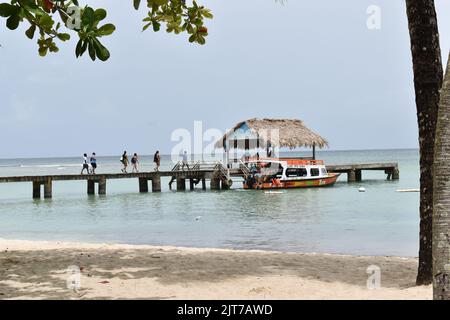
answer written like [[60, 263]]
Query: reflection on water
[[338, 219]]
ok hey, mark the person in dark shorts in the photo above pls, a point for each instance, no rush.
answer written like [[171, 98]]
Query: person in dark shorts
[[85, 164], [157, 160], [124, 160], [93, 161], [134, 163]]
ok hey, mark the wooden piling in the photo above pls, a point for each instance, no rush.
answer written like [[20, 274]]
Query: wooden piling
[[351, 176], [215, 183], [358, 175], [395, 174], [156, 183], [191, 184], [143, 185], [203, 184], [48, 188], [102, 186], [36, 190], [90, 187], [181, 184]]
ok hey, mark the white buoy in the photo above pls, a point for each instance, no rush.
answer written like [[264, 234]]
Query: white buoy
[[362, 189], [198, 218]]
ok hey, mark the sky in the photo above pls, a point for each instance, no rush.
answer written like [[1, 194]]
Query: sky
[[311, 60]]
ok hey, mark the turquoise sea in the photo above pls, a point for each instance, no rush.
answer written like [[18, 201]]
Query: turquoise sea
[[338, 219]]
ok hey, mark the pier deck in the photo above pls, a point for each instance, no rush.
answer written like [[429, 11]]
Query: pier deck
[[216, 173]]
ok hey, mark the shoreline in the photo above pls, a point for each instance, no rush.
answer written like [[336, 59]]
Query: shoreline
[[39, 270]]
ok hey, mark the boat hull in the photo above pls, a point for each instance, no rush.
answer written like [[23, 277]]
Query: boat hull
[[301, 183]]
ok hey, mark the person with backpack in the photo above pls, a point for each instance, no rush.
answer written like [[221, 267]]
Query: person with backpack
[[93, 161], [134, 163], [124, 160]]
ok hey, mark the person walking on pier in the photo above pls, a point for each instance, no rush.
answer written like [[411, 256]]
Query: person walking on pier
[[185, 161], [85, 164], [93, 161], [134, 163], [157, 160], [124, 160]]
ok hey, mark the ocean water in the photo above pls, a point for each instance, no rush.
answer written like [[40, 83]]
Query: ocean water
[[337, 219]]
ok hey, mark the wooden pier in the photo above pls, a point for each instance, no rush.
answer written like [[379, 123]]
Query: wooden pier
[[197, 173], [354, 171]]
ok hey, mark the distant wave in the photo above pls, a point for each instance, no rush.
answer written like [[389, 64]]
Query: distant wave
[[50, 165]]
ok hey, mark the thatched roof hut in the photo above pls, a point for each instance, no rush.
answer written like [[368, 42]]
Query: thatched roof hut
[[289, 133]]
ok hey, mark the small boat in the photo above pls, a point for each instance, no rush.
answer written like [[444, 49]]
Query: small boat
[[283, 173]]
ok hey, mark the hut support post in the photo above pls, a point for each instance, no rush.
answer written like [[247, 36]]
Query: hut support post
[[143, 185], [102, 186], [36, 190], [48, 188], [314, 151], [156, 183]]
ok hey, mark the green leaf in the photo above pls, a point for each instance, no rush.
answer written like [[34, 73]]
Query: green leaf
[[156, 26], [30, 32], [201, 39], [100, 14], [88, 17], [106, 29], [63, 36], [146, 26], [13, 22], [43, 51], [136, 4], [78, 51], [46, 21], [91, 49], [7, 10], [100, 50]]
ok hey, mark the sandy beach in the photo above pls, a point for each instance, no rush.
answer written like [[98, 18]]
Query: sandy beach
[[39, 270]]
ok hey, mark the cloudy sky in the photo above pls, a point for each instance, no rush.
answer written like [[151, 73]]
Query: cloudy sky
[[312, 60]]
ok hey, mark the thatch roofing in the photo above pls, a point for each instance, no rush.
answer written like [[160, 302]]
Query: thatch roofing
[[292, 133]]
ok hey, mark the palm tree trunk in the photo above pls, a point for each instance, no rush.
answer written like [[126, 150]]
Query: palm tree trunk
[[441, 203], [427, 67]]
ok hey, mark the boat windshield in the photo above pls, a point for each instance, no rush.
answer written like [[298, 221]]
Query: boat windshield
[[272, 169]]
